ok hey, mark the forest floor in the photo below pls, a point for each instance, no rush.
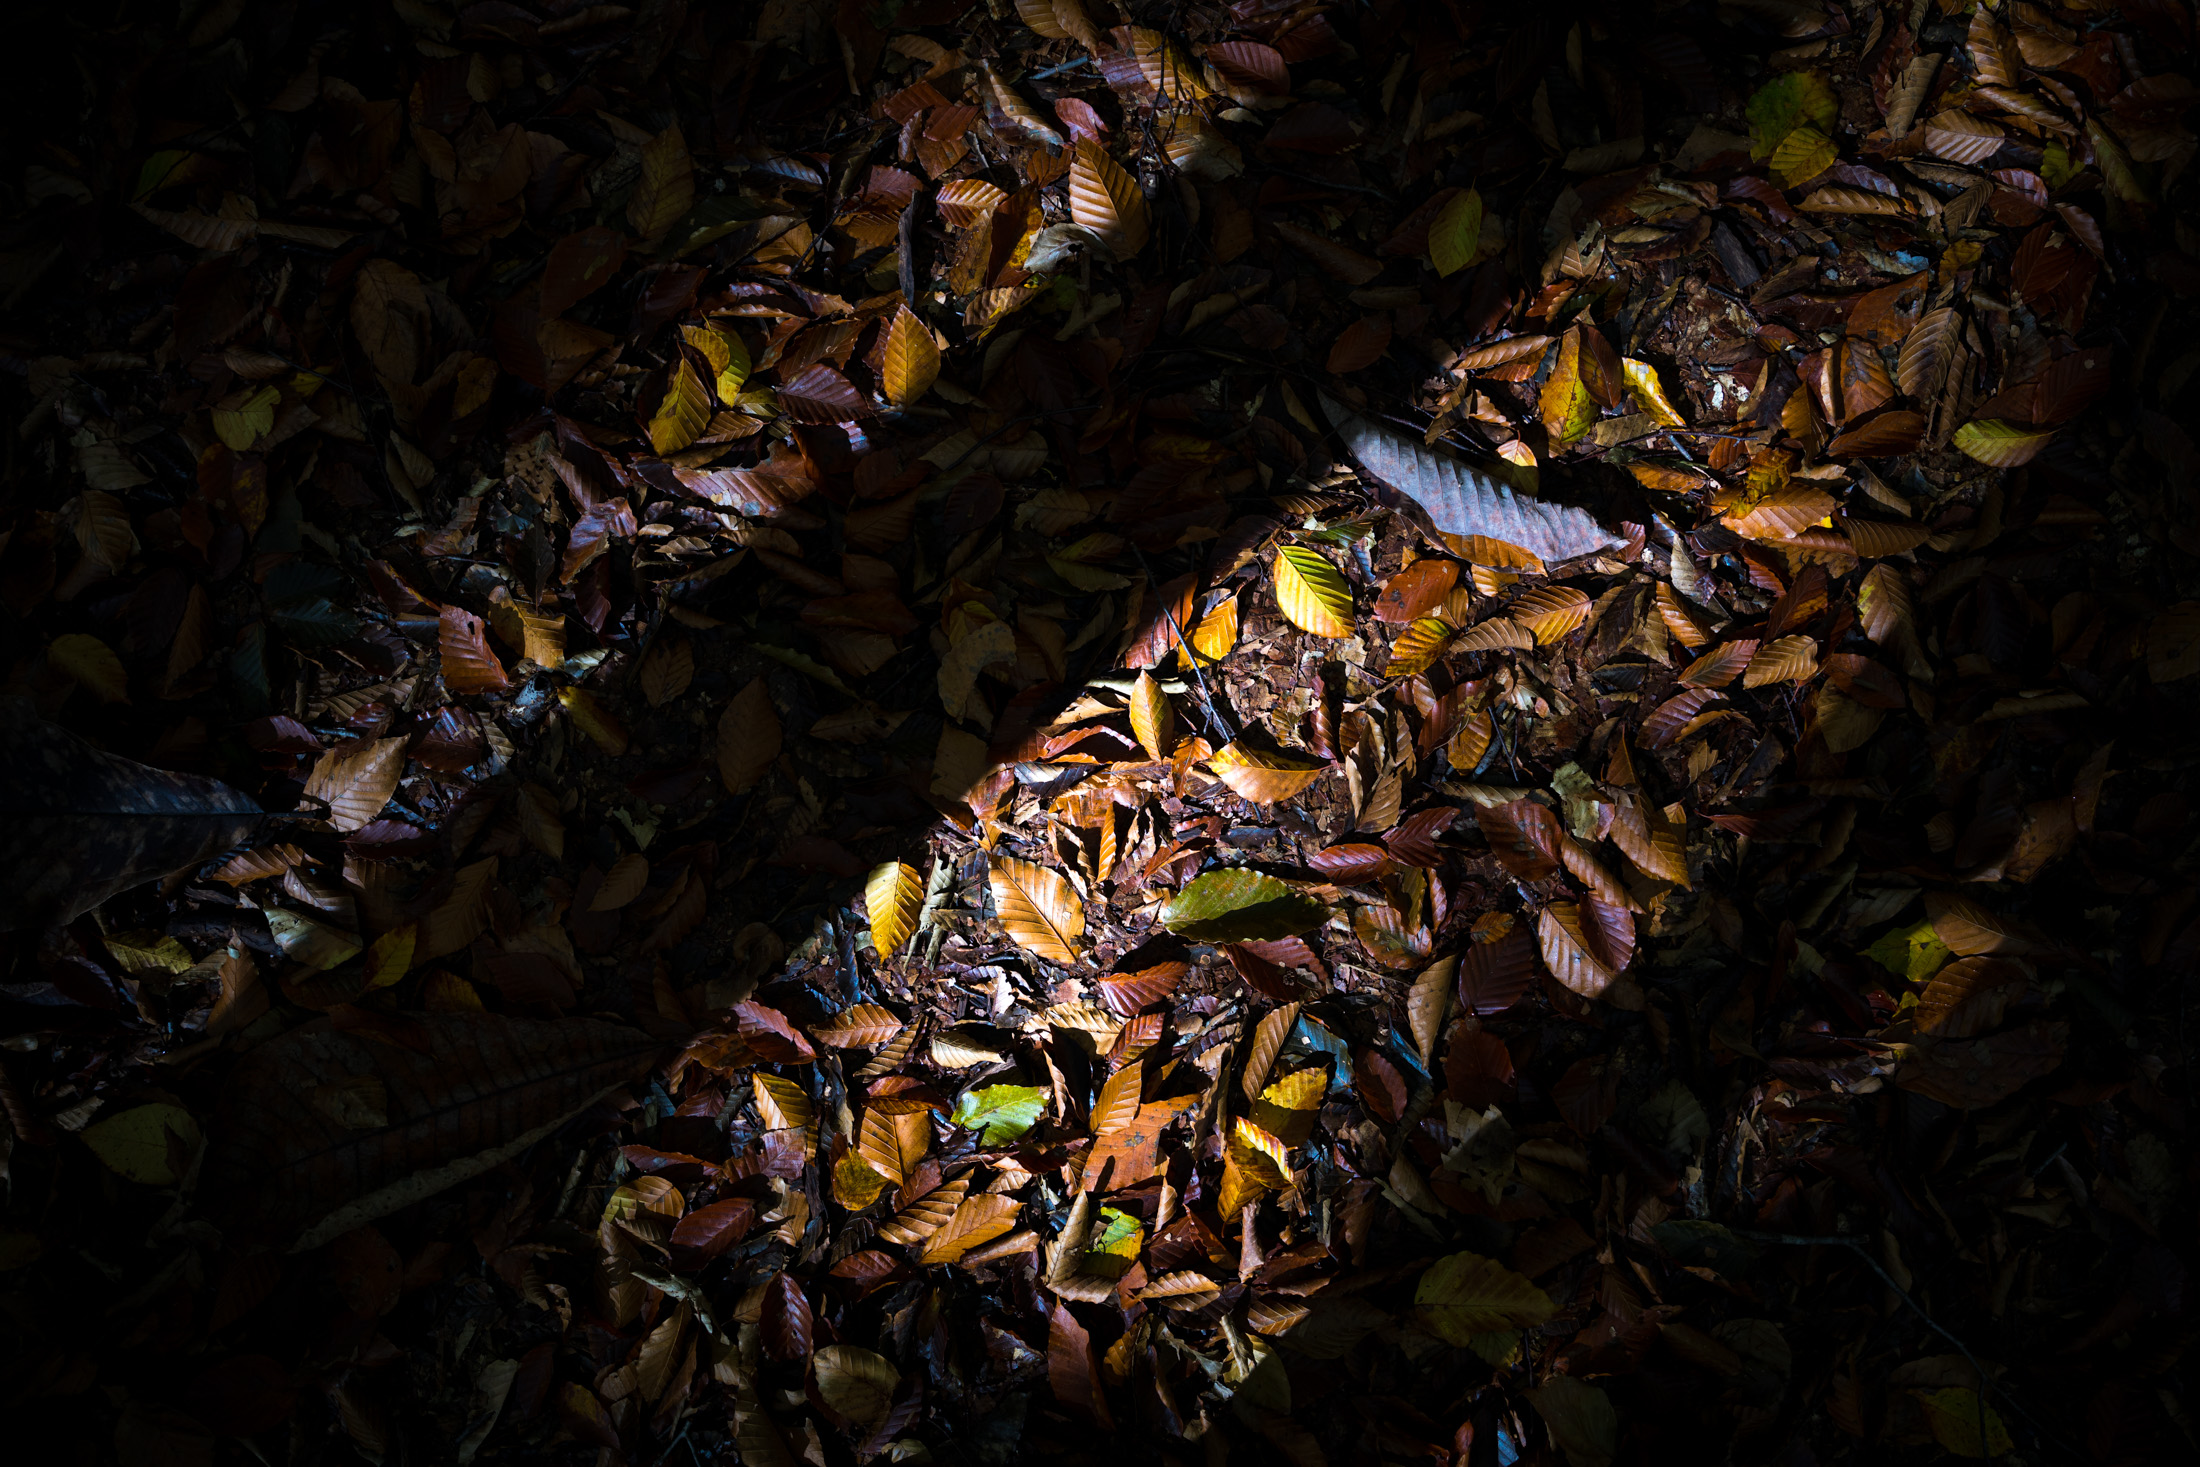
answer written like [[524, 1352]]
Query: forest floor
[[1055, 730]]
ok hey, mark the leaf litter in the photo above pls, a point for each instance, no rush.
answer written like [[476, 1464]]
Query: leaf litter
[[960, 732]]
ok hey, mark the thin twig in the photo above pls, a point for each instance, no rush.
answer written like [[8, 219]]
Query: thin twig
[[1856, 1246], [1215, 720]]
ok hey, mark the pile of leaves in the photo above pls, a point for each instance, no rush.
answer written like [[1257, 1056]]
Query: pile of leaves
[[1347, 733]]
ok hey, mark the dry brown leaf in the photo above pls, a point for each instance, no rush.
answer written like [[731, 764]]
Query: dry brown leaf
[[357, 780], [980, 1219], [1106, 200], [748, 737], [1038, 909], [622, 883]]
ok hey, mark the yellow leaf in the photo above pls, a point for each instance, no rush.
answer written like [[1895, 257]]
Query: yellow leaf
[[1038, 909], [894, 894], [784, 1105], [1466, 1294], [1418, 646], [1428, 1003], [592, 718], [856, 1184], [1956, 1416], [1566, 405], [684, 412], [1566, 951], [1105, 199], [1312, 593], [91, 664], [142, 1144], [2001, 445], [1215, 636], [1261, 1155], [1117, 1105], [1264, 776], [912, 359], [390, 957], [1803, 154], [1151, 717], [1642, 380], [666, 189], [1456, 236], [243, 425]]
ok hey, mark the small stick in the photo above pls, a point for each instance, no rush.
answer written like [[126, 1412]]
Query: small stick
[[1191, 653]]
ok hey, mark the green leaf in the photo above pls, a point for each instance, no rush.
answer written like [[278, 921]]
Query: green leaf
[[999, 1113], [1798, 99], [1916, 953], [1456, 236], [1240, 906]]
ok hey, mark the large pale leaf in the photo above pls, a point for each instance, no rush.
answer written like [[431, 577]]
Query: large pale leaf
[[1312, 593], [1462, 500], [1038, 909], [1240, 906], [1466, 1294]]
